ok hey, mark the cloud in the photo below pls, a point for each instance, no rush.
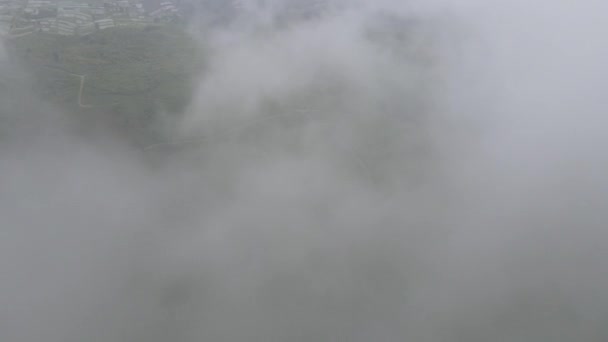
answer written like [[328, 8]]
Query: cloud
[[430, 175]]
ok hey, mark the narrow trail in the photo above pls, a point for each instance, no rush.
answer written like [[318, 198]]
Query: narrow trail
[[80, 90], [81, 87]]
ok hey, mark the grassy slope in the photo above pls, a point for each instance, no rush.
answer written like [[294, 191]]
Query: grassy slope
[[132, 73]]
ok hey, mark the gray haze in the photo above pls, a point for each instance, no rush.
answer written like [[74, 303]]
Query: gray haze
[[329, 183]]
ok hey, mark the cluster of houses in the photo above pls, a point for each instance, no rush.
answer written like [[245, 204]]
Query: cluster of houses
[[81, 17]]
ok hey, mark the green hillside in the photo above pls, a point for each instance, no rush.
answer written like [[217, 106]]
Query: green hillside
[[133, 74]]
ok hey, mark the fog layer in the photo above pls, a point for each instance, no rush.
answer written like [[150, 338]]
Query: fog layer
[[432, 174]]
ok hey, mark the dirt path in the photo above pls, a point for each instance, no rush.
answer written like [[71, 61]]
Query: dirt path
[[80, 90]]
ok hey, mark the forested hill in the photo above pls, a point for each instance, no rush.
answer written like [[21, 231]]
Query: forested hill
[[129, 74]]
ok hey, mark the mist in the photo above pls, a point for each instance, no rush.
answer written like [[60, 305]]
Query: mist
[[395, 171]]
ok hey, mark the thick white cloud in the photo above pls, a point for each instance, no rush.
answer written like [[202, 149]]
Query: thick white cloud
[[330, 186]]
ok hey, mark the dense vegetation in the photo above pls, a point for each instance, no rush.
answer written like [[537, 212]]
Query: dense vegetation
[[130, 74]]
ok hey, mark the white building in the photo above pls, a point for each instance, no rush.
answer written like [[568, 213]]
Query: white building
[[85, 29], [165, 9], [97, 10], [82, 17], [103, 24], [66, 27], [39, 3]]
